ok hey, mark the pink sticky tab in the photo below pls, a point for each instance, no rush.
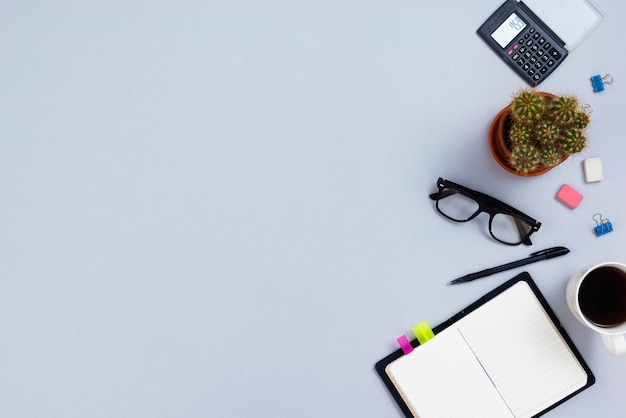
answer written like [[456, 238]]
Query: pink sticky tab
[[569, 196], [405, 345]]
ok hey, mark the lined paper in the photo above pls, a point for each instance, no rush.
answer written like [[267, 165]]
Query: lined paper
[[457, 388], [505, 359]]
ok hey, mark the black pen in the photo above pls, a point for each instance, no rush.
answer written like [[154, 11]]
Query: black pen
[[534, 257]]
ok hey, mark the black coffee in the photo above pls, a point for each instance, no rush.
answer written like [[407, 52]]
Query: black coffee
[[602, 297]]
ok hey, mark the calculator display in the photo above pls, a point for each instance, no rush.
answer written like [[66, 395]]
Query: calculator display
[[508, 30]]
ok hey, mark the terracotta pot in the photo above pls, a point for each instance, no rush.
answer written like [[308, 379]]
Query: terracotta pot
[[500, 149]]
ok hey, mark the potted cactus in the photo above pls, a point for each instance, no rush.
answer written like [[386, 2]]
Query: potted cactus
[[538, 131]]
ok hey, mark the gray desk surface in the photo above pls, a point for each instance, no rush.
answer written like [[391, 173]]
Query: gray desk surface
[[221, 208]]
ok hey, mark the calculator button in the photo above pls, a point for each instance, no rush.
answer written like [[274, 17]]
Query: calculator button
[[525, 67], [537, 35], [543, 70], [547, 45], [528, 55], [522, 50], [550, 63], [531, 30], [509, 52], [529, 42], [515, 57], [536, 77], [539, 52], [537, 65], [533, 60], [520, 62], [555, 54], [541, 41], [545, 58]]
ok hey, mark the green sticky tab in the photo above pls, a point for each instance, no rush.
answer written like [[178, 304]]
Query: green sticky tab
[[423, 332]]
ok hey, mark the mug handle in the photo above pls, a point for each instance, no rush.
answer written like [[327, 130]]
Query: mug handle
[[616, 344]]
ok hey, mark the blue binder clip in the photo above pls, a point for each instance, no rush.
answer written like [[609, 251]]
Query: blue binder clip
[[598, 82], [603, 226]]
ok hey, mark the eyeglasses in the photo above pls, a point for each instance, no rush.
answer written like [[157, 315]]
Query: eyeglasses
[[506, 224]]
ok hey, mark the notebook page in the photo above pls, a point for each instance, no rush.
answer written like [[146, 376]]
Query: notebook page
[[443, 378], [522, 351]]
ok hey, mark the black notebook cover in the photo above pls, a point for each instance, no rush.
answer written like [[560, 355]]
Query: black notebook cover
[[407, 378]]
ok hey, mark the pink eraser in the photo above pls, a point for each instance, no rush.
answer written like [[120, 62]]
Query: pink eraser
[[569, 196]]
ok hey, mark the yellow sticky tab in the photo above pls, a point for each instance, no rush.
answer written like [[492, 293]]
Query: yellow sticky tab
[[423, 332]]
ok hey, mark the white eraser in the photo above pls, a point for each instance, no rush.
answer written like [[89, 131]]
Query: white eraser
[[593, 169]]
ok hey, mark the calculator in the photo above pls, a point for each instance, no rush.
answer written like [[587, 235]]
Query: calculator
[[524, 41]]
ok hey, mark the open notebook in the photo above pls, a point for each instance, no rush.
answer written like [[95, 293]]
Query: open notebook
[[504, 356]]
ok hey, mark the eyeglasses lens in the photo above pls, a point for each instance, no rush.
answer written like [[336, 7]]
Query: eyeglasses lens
[[509, 229], [456, 206]]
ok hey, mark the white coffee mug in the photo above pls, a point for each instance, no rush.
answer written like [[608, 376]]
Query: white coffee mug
[[597, 297]]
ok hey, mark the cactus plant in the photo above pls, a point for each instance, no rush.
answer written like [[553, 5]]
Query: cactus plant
[[525, 157], [527, 106], [546, 133], [544, 129], [581, 120], [521, 134], [574, 141], [551, 156], [563, 109]]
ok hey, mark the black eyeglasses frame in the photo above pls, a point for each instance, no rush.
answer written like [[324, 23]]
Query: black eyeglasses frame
[[489, 205]]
